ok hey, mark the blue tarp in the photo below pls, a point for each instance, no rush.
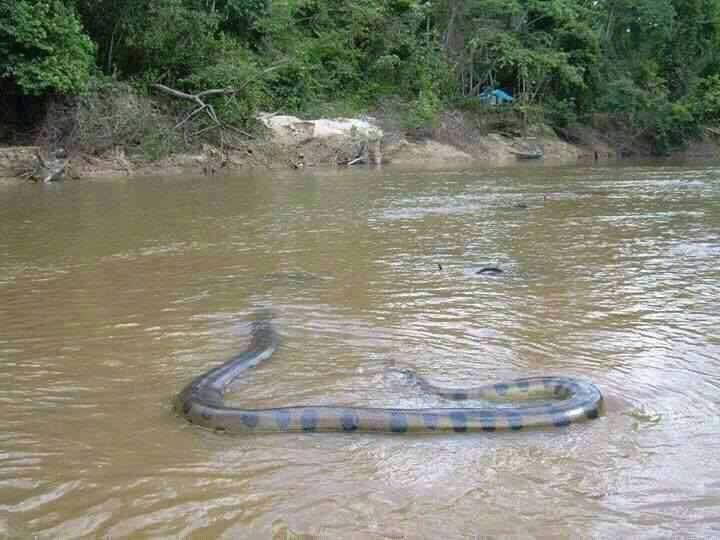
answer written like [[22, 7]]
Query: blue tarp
[[495, 97]]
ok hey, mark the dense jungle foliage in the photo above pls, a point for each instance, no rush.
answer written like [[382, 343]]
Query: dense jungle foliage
[[652, 66]]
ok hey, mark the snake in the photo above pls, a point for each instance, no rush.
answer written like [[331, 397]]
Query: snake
[[551, 401], [489, 270]]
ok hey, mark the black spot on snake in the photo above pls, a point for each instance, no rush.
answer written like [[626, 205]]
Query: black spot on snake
[[487, 422], [249, 419], [502, 389], [459, 421], [515, 420], [349, 421], [398, 422], [430, 421], [282, 419], [309, 420]]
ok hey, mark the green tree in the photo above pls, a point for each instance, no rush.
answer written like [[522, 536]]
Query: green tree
[[351, 53], [43, 47], [692, 50], [163, 39], [239, 18], [531, 46]]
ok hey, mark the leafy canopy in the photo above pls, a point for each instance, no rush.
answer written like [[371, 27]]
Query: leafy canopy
[[43, 47]]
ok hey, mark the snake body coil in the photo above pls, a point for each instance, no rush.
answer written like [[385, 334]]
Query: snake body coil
[[564, 400]]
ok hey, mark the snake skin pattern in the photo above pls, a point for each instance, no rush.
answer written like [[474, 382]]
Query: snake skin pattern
[[557, 401]]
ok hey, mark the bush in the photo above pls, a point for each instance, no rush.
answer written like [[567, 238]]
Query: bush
[[112, 114], [674, 124], [650, 113], [560, 113], [234, 68], [706, 99], [423, 111]]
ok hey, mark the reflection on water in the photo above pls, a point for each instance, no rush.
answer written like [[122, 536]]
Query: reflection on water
[[113, 295]]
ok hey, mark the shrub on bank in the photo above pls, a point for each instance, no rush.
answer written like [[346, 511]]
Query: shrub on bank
[[109, 115]]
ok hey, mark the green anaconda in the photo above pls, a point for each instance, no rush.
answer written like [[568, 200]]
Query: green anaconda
[[563, 400]]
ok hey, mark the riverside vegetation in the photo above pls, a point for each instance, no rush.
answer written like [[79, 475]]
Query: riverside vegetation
[[149, 79]]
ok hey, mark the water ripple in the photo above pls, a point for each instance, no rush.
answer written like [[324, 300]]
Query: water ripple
[[115, 295]]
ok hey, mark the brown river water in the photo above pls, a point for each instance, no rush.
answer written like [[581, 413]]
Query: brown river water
[[114, 294]]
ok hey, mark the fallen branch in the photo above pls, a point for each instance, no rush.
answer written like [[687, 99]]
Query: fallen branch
[[204, 130], [189, 116], [197, 98], [240, 131], [49, 170], [360, 156], [359, 159], [202, 105]]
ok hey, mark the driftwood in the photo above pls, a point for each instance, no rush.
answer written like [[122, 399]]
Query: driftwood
[[359, 156], [368, 152], [358, 160], [536, 153], [48, 170]]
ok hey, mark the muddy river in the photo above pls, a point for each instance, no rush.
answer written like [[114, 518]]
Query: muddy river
[[114, 294]]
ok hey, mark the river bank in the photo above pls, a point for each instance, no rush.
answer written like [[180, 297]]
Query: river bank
[[456, 140]]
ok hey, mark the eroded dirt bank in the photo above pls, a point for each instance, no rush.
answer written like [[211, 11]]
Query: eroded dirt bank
[[291, 143]]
